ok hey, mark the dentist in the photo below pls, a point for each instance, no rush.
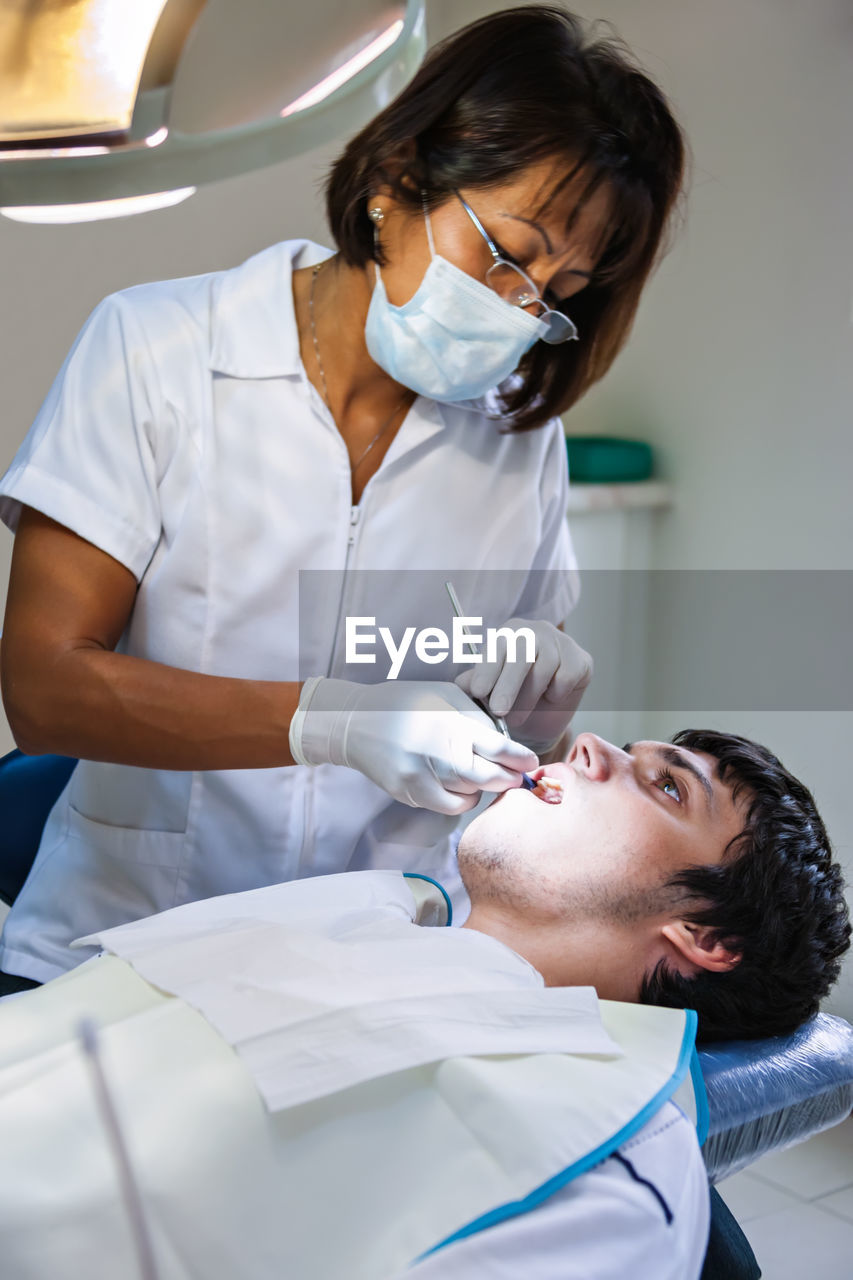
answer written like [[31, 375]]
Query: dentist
[[391, 406]]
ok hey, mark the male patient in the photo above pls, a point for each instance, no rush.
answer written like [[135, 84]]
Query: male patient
[[444, 1103]]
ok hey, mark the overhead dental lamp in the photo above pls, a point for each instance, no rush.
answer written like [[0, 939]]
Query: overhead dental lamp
[[110, 107]]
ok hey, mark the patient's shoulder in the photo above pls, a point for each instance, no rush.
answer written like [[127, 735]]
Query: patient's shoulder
[[642, 1212]]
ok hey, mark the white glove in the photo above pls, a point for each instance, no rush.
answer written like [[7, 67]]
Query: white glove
[[541, 697], [423, 741]]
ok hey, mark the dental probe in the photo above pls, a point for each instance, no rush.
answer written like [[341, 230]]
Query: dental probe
[[500, 724]]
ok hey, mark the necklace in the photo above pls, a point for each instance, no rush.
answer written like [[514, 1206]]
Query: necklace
[[397, 407]]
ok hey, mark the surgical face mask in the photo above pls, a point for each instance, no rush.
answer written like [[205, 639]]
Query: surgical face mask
[[455, 339]]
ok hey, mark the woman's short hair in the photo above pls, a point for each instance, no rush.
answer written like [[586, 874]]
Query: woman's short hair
[[511, 90]]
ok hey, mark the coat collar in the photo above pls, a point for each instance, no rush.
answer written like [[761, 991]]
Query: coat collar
[[253, 327], [254, 334]]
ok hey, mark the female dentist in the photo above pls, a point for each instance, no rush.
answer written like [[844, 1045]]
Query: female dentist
[[390, 406]]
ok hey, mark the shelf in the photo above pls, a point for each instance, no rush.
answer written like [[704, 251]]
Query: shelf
[[642, 495]]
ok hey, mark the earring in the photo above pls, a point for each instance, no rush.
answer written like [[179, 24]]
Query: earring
[[376, 215]]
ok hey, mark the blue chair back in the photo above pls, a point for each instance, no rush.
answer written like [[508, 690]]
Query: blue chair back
[[29, 787]]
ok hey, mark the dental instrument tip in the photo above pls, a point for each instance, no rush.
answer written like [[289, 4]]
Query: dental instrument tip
[[527, 782]]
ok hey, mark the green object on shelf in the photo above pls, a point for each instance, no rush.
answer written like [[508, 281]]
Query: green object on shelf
[[607, 460]]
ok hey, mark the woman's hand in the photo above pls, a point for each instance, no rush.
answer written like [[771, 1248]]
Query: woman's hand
[[540, 697], [424, 742]]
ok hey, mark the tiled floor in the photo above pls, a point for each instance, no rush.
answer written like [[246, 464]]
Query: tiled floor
[[796, 1208]]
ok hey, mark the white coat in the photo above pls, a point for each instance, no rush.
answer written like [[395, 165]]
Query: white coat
[[183, 438]]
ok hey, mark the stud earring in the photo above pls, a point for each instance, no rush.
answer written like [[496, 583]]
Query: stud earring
[[376, 215]]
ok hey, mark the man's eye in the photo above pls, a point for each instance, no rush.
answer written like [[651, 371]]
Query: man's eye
[[665, 780]]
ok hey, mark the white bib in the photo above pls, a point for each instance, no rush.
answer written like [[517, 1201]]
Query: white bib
[[390, 1147]]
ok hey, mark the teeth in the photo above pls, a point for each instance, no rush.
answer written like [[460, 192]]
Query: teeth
[[550, 790]]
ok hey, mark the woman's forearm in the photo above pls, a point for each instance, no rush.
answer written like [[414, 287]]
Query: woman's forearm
[[66, 690], [99, 705]]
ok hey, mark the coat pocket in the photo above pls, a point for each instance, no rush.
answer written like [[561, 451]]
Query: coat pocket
[[122, 796], [128, 844]]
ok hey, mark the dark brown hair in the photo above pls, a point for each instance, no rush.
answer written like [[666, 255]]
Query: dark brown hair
[[515, 88], [777, 898]]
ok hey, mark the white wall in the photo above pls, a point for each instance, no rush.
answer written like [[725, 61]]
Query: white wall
[[741, 366], [739, 371]]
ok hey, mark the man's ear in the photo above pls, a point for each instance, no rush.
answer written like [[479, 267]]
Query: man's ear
[[700, 945]]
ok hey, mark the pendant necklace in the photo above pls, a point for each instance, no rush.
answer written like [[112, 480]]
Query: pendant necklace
[[398, 406]]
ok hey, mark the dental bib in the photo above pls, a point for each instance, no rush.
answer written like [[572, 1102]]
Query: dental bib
[[352, 1175]]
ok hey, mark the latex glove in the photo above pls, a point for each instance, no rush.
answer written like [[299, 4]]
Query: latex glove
[[423, 741], [540, 698]]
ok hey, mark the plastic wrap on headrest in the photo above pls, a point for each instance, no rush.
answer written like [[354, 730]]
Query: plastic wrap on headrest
[[764, 1095]]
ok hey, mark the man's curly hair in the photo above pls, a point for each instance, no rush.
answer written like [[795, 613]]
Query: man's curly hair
[[777, 898]]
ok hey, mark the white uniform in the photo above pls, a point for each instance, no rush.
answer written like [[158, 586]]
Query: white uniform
[[605, 1225], [183, 438]]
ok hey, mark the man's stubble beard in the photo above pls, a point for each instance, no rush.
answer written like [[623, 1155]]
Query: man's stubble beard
[[494, 875]]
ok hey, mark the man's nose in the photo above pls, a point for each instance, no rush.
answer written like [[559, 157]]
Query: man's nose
[[591, 756]]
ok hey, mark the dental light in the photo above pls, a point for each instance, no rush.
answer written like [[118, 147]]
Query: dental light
[[109, 108]]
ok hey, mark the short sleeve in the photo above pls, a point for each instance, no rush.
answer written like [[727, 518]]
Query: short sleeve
[[89, 461], [552, 587]]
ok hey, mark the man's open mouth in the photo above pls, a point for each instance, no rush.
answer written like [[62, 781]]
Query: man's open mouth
[[548, 789]]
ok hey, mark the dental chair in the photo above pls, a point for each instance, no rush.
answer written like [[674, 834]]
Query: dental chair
[[763, 1095], [29, 785]]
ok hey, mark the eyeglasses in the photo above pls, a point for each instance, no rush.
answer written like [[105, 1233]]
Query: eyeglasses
[[515, 287]]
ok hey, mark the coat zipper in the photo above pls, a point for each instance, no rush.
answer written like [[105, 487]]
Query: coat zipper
[[306, 852], [354, 517]]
